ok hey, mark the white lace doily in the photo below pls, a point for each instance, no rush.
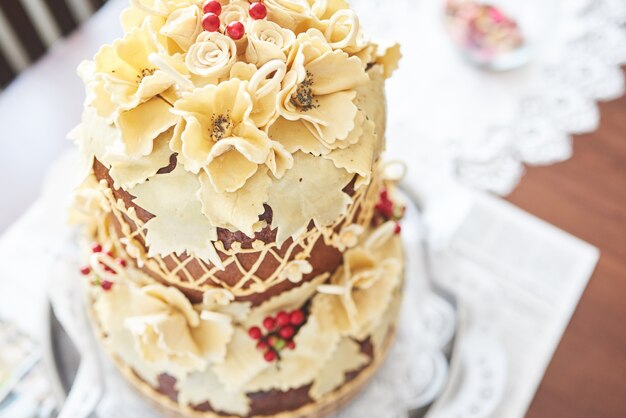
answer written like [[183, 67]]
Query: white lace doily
[[486, 125]]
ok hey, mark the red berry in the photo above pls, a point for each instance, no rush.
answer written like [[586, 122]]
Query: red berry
[[107, 285], [110, 254], [255, 333], [283, 319], [272, 340], [121, 262], [107, 268], [236, 30], [296, 318], [385, 207], [291, 345], [262, 346], [85, 271], [96, 248], [211, 22], [270, 356], [287, 332], [398, 229], [258, 11], [384, 195], [269, 323], [212, 7]]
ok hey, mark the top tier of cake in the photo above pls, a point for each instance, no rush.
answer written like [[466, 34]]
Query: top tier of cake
[[231, 151]]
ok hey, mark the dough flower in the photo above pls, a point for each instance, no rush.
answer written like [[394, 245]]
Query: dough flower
[[212, 55], [290, 14], [169, 333], [348, 237], [130, 89], [216, 135], [359, 292], [318, 92], [183, 26], [267, 41], [236, 10], [129, 77], [296, 270]]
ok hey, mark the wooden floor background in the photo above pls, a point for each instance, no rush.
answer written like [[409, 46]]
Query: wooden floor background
[[586, 196]]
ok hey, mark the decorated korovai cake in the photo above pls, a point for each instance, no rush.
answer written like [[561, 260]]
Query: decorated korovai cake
[[241, 237]]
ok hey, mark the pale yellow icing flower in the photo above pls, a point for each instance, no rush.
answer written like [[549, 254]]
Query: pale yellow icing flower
[[130, 89], [267, 41], [129, 77], [217, 136], [212, 55], [318, 92], [174, 24], [295, 271], [360, 290], [168, 332]]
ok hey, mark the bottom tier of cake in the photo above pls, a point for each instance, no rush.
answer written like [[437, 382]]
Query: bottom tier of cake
[[303, 353]]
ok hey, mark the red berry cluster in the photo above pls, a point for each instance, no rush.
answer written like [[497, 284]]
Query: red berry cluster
[[105, 284], [387, 210], [281, 330], [236, 30]]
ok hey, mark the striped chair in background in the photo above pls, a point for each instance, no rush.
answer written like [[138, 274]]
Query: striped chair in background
[[29, 27]]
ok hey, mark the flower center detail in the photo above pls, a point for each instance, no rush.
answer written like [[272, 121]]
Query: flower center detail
[[145, 72], [221, 126], [303, 97]]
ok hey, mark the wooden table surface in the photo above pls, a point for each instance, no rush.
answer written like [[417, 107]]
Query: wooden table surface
[[586, 196]]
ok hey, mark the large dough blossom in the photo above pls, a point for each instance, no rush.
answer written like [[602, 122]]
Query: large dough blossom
[[127, 89], [361, 289], [168, 332], [316, 102], [216, 135], [173, 23]]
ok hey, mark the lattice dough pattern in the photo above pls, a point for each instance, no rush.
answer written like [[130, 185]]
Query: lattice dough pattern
[[121, 228]]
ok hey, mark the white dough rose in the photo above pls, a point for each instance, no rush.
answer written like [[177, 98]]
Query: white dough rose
[[213, 55], [267, 41]]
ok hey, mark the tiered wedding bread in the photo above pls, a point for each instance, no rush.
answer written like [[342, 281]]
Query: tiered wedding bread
[[246, 258]]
